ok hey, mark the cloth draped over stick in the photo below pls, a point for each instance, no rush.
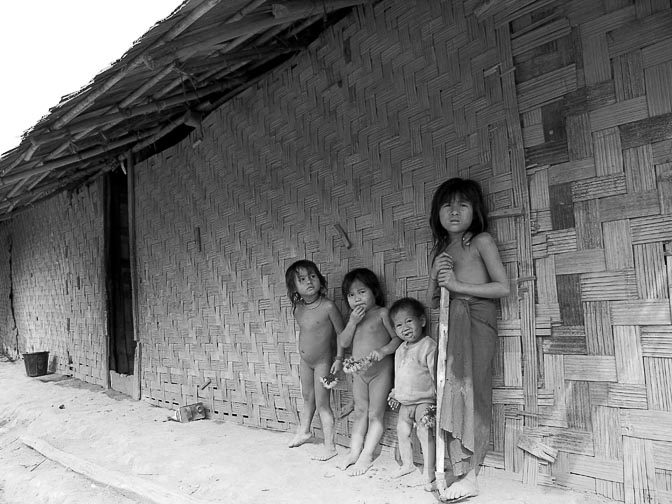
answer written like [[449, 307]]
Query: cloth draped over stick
[[467, 336]]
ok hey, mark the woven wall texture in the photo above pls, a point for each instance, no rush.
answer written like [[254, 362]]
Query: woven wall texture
[[57, 283], [560, 109]]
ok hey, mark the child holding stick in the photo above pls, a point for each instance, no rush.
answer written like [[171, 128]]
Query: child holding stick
[[319, 321], [373, 341], [466, 262], [414, 392]]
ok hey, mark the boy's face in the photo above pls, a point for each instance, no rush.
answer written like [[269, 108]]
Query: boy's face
[[408, 326], [360, 295], [307, 283]]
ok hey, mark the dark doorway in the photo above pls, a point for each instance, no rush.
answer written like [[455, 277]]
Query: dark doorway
[[120, 293]]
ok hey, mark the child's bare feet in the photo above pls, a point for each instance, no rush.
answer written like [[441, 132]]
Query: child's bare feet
[[325, 454], [362, 465], [299, 439], [430, 486], [461, 490], [348, 462], [403, 471]]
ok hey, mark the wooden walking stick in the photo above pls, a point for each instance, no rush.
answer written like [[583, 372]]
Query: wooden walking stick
[[444, 314]]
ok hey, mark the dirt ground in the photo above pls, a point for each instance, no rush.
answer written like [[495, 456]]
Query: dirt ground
[[203, 461]]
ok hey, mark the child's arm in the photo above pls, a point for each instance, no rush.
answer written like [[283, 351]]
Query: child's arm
[[337, 321], [497, 287], [348, 333], [394, 342], [431, 364]]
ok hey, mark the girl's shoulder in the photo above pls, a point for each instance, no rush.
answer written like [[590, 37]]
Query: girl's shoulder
[[377, 312], [483, 239], [329, 305]]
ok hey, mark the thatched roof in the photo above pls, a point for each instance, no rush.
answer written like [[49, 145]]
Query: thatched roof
[[157, 93]]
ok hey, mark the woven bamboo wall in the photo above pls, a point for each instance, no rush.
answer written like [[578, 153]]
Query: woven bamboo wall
[[562, 111], [57, 283]]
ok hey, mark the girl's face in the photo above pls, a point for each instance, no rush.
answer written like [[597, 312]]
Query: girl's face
[[360, 295], [408, 326], [307, 283], [456, 216]]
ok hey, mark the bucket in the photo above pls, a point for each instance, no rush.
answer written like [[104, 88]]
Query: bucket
[[36, 363]]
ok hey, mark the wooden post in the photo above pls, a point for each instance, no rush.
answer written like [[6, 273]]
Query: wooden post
[[104, 272], [137, 360], [444, 316]]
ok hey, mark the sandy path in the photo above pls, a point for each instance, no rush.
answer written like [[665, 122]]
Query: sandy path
[[207, 460]]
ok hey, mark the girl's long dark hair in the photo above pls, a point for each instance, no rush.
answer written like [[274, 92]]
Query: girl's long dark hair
[[466, 189], [290, 280], [368, 278]]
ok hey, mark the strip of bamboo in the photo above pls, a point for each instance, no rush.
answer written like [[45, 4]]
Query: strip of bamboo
[[590, 368], [630, 206], [598, 187], [652, 130], [662, 453], [639, 476], [658, 372], [527, 41], [657, 53], [641, 312], [628, 76], [608, 285], [614, 115], [608, 22], [597, 67], [566, 439], [658, 94], [656, 341], [596, 467], [636, 34], [546, 88], [647, 424], [580, 261], [571, 171], [651, 229]]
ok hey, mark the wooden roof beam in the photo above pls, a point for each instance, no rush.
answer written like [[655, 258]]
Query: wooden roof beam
[[157, 106], [128, 67], [68, 160], [174, 32], [283, 14]]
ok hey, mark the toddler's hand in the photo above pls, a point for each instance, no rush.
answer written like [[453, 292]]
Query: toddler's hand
[[336, 367], [357, 314], [394, 404], [375, 355]]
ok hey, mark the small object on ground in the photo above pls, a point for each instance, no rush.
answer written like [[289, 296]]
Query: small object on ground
[[352, 365], [329, 381], [36, 363], [189, 412], [62, 406]]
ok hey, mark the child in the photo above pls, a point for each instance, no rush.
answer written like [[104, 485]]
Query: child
[[467, 263], [370, 332], [414, 391], [320, 321]]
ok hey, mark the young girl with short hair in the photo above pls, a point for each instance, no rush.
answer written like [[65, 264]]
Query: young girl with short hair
[[374, 342], [320, 321]]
